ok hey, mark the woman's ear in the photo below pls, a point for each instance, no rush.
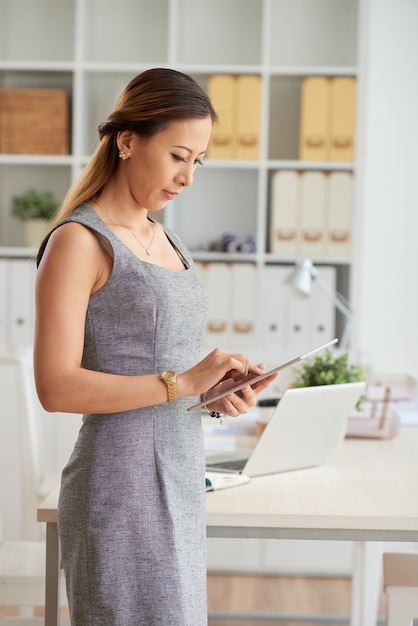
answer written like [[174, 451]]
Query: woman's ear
[[124, 141]]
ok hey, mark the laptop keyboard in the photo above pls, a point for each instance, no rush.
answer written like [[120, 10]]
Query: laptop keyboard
[[234, 464]]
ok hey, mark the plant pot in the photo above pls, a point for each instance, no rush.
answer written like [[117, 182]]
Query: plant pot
[[34, 231]]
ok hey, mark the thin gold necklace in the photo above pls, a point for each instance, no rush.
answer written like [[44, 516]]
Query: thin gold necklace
[[146, 248]]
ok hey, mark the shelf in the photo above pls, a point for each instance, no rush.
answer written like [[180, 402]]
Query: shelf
[[36, 159], [189, 68], [21, 252], [272, 164], [311, 70], [282, 41], [278, 164], [274, 259], [225, 257], [36, 66]]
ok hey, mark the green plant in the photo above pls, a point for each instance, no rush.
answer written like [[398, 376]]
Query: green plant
[[328, 369], [34, 204]]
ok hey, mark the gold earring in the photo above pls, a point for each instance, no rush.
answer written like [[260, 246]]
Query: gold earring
[[123, 154]]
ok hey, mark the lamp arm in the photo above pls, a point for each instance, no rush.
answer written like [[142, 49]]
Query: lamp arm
[[336, 298], [343, 342], [341, 304]]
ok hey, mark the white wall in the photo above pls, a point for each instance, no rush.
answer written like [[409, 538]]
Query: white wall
[[386, 295]]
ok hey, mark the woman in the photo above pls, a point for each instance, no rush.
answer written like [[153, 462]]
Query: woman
[[119, 327]]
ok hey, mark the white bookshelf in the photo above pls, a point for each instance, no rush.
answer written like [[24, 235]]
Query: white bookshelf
[[93, 48]]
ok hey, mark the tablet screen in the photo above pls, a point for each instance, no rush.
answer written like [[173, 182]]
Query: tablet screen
[[250, 380]]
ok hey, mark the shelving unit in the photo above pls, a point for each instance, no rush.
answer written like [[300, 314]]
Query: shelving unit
[[92, 49]]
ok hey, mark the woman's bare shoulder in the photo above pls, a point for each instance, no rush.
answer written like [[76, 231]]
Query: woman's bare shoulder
[[72, 238], [74, 251]]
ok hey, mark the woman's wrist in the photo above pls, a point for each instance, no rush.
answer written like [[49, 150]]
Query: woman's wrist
[[182, 386]]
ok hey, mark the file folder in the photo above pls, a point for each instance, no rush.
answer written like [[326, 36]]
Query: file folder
[[273, 321], [339, 214], [218, 283], [342, 118], [237, 101], [284, 213], [313, 199], [243, 304], [248, 117], [314, 120], [221, 90]]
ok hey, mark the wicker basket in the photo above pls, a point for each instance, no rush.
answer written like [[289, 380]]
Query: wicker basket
[[34, 121]]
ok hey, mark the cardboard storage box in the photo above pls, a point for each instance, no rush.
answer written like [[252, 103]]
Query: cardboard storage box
[[34, 121]]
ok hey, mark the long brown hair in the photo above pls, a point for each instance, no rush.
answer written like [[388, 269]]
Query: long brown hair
[[147, 105]]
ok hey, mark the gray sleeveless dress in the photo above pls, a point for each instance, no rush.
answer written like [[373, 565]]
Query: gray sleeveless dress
[[131, 514]]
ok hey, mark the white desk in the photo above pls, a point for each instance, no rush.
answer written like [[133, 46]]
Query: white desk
[[366, 492]]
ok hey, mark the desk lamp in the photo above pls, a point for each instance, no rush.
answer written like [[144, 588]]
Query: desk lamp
[[301, 279]]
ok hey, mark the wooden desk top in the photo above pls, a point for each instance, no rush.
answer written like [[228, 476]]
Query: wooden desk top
[[366, 490]]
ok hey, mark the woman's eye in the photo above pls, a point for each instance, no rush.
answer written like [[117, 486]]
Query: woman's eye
[[178, 158], [181, 159]]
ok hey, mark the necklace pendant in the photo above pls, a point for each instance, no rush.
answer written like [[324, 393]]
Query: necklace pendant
[[147, 251]]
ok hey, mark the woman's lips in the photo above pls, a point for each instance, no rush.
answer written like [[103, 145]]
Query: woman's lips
[[170, 195]]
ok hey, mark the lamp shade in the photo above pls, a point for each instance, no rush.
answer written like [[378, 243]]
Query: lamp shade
[[300, 280]]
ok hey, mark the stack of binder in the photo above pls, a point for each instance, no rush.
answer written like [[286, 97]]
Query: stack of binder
[[311, 213], [290, 323], [327, 124], [237, 100], [232, 291]]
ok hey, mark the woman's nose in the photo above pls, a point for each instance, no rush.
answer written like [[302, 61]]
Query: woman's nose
[[185, 177]]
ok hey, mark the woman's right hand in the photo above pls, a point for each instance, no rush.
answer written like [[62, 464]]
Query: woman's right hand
[[216, 366], [220, 366]]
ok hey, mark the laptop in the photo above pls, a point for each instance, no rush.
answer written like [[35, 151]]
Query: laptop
[[304, 428]]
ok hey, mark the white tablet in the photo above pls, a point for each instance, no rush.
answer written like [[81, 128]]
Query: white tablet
[[258, 377]]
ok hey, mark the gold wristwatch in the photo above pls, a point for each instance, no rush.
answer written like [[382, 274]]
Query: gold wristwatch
[[169, 378]]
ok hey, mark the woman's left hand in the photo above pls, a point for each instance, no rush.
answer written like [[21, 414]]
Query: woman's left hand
[[238, 403]]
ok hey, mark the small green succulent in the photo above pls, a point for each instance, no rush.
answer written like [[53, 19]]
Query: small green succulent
[[34, 204], [328, 369]]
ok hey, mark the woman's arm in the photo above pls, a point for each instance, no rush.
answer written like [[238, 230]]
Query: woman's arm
[[73, 267]]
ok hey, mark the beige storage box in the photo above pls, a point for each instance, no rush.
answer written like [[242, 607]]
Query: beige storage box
[[34, 121]]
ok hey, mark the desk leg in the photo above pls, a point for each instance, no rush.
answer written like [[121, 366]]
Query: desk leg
[[366, 580], [52, 578]]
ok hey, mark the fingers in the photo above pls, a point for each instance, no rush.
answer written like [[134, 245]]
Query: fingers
[[239, 366], [263, 384], [217, 366], [250, 371], [239, 403]]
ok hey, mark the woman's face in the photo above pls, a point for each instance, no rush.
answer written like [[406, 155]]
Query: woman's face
[[160, 167]]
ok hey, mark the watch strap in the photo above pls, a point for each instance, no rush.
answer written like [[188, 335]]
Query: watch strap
[[169, 378]]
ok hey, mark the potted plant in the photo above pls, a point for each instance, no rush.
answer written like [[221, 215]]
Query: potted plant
[[35, 209], [328, 368]]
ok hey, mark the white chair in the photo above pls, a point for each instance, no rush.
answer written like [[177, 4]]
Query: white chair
[[22, 457], [22, 581], [22, 578], [24, 438], [24, 483], [32, 442], [400, 582], [37, 482]]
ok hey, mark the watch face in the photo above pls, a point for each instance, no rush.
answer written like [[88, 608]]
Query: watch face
[[168, 375], [169, 378]]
